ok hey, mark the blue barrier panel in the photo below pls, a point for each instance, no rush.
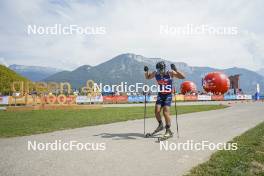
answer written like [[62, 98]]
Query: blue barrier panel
[[138, 99], [130, 99], [230, 97]]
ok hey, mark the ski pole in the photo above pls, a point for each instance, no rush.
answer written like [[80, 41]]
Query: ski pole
[[176, 112], [175, 105], [145, 101], [145, 112]]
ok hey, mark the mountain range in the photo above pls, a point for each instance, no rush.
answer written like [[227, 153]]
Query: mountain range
[[122, 68], [129, 68], [34, 73], [261, 71]]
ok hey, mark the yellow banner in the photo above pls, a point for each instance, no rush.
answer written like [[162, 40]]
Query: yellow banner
[[178, 98]]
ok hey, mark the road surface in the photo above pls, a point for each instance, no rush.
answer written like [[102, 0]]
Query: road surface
[[184, 103], [126, 151]]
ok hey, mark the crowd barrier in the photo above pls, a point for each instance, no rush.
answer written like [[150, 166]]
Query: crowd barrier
[[62, 99], [178, 98], [204, 98], [244, 97], [138, 99], [190, 98], [4, 100], [115, 99], [86, 99], [230, 97], [217, 97]]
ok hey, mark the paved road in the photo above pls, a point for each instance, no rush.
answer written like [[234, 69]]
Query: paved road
[[178, 103], [127, 152]]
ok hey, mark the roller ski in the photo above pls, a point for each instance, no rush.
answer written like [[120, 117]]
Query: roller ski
[[168, 134], [159, 128]]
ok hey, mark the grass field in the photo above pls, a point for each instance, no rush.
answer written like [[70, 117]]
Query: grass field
[[247, 160], [34, 122]]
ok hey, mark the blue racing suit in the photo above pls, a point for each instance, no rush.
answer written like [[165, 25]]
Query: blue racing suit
[[165, 89]]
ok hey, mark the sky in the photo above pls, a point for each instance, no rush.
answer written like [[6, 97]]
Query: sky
[[133, 26]]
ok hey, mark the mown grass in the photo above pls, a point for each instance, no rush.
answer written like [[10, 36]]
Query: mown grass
[[246, 161], [34, 122]]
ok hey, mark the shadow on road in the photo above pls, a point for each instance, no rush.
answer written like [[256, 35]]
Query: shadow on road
[[123, 136]]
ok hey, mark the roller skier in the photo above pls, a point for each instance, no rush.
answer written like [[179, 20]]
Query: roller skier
[[164, 79]]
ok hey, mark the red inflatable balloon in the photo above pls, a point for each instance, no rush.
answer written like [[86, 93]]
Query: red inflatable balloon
[[216, 83], [188, 87]]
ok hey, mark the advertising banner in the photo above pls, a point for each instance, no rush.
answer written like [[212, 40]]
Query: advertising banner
[[230, 97], [87, 99], [17, 100], [217, 97], [138, 99], [178, 98], [152, 98], [108, 99], [96, 99], [115, 99], [204, 97], [82, 99], [4, 100], [121, 99], [190, 97], [248, 97], [31, 100], [244, 97]]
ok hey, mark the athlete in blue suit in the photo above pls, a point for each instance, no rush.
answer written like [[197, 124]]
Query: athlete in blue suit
[[164, 98]]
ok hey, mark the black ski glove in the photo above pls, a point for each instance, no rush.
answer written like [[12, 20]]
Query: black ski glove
[[146, 68], [173, 67]]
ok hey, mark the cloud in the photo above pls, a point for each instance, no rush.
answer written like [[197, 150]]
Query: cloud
[[3, 62], [132, 26]]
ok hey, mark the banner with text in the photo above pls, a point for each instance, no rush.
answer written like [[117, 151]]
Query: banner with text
[[4, 100], [204, 97]]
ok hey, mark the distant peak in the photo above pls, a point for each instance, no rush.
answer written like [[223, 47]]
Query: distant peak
[[84, 67], [129, 55], [17, 66]]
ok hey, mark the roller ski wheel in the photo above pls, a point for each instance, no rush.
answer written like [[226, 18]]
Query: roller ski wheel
[[148, 135], [168, 134], [164, 138], [159, 128]]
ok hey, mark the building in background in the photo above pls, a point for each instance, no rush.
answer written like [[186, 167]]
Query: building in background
[[234, 83]]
